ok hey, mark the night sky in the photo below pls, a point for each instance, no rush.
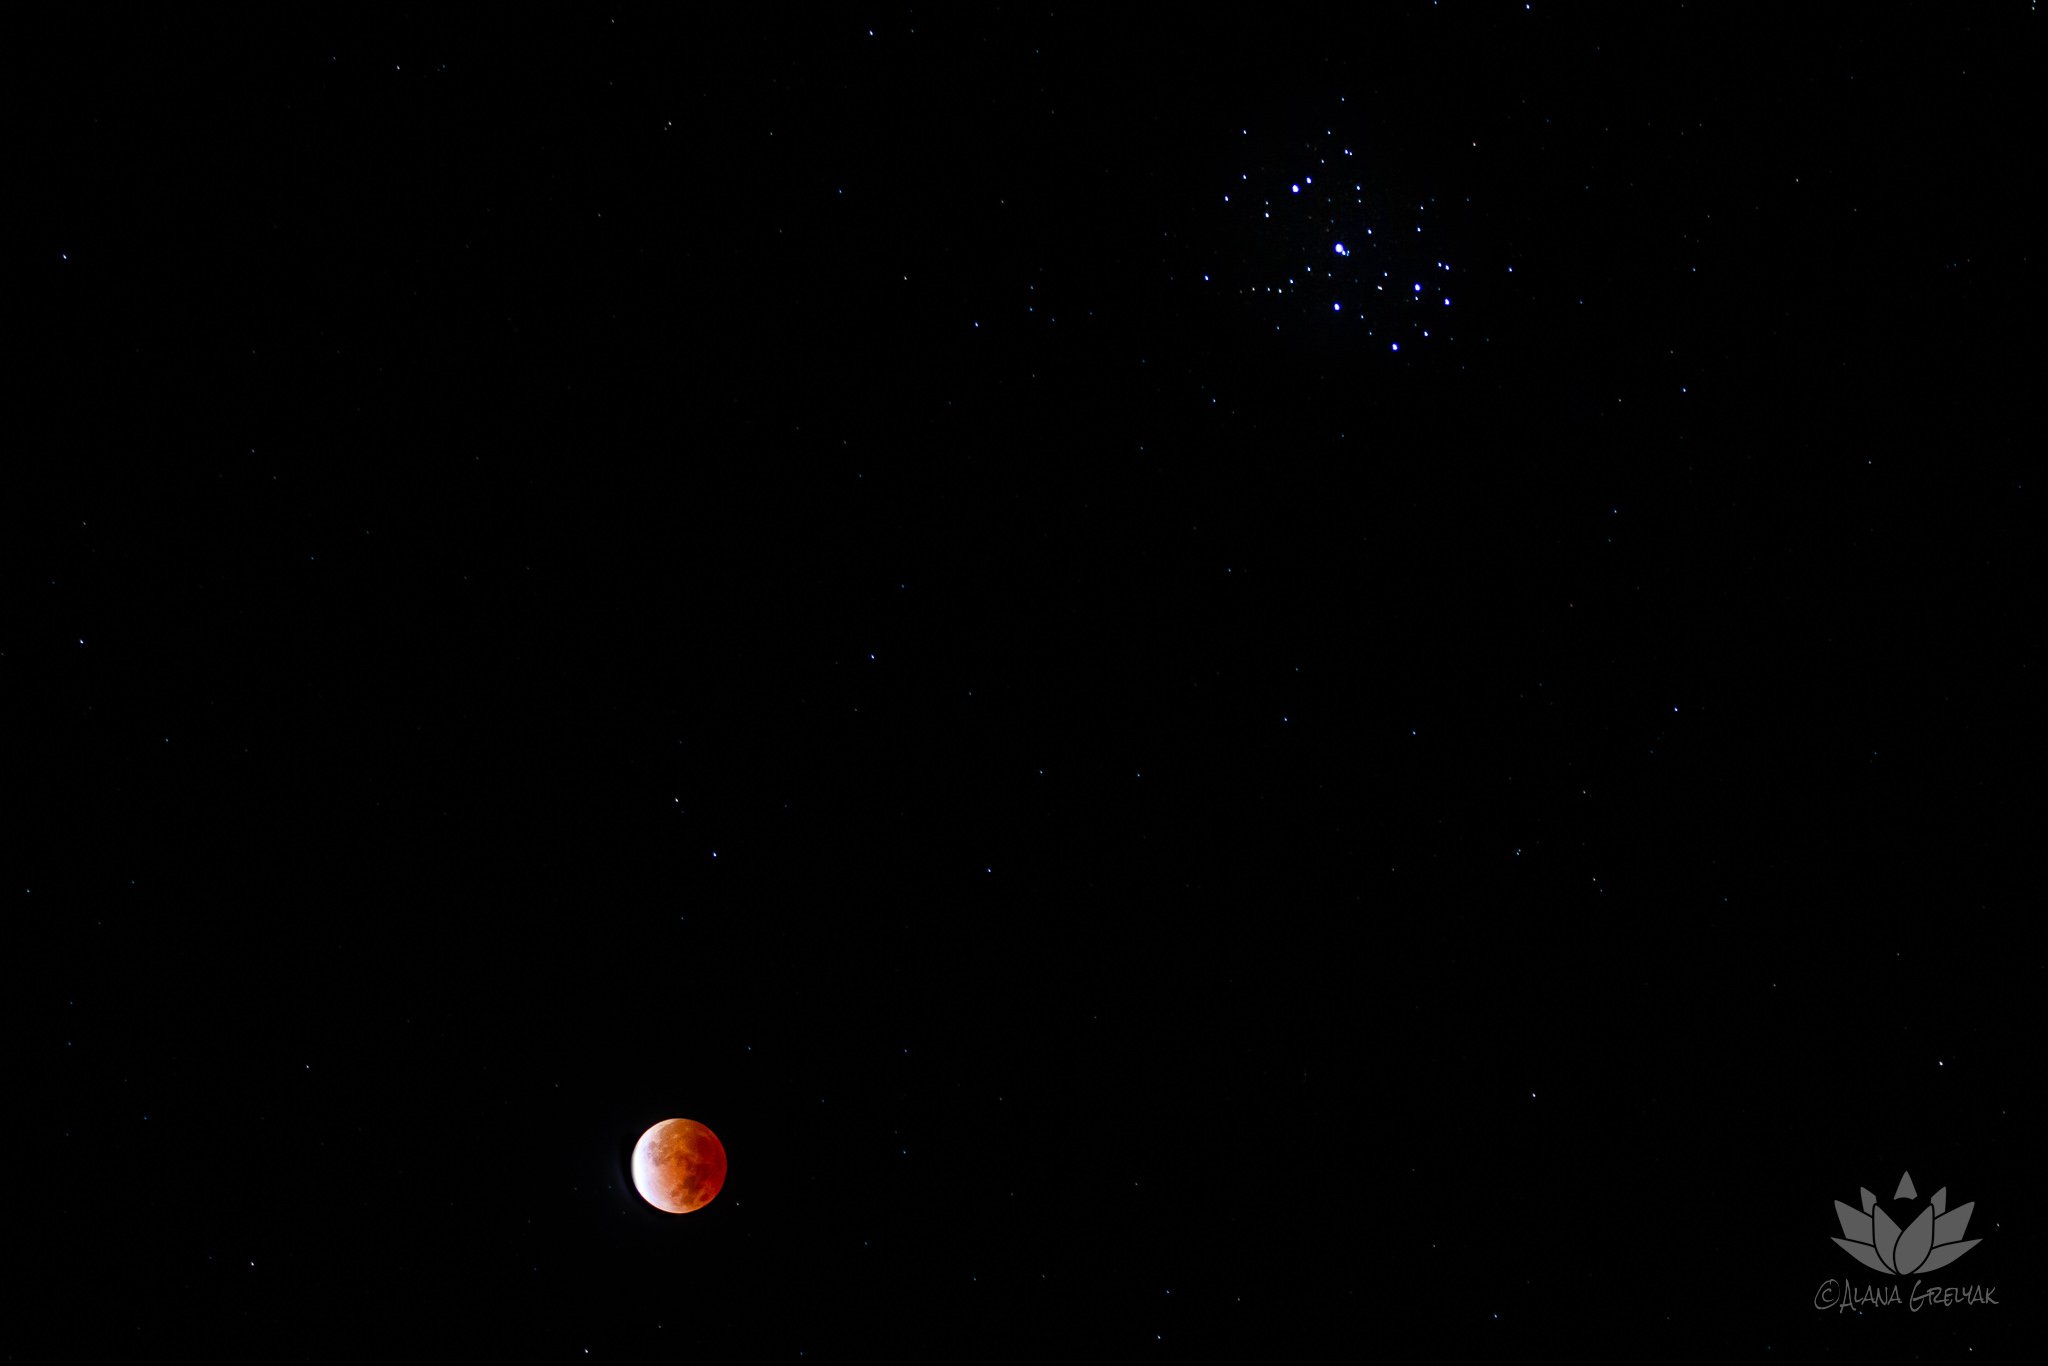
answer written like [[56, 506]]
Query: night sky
[[1264, 688]]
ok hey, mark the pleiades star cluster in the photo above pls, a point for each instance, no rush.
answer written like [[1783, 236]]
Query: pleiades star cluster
[[1322, 246]]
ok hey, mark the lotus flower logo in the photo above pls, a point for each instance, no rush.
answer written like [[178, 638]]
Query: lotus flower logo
[[1931, 1241]]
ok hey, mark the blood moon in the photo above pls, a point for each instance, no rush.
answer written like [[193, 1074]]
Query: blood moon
[[678, 1166]]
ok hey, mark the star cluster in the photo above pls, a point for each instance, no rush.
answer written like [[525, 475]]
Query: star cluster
[[1318, 243]]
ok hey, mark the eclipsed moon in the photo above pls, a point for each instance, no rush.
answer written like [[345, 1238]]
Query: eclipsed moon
[[678, 1166]]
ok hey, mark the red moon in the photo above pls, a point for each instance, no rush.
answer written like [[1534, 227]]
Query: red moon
[[678, 1166]]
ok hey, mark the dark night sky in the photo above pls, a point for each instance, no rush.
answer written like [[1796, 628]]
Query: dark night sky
[[880, 582]]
